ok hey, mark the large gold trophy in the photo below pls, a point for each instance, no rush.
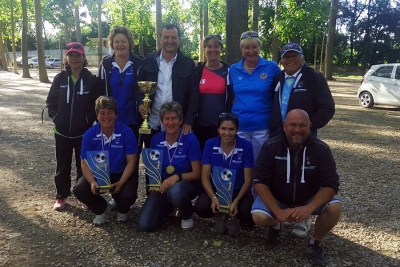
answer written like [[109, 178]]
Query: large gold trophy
[[147, 88]]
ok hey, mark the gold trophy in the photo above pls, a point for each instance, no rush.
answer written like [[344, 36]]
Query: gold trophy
[[147, 88]]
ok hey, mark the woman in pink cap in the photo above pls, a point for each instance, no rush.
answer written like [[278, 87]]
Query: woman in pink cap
[[70, 104]]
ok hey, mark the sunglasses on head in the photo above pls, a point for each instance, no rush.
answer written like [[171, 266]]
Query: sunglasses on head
[[247, 35], [227, 115], [73, 46], [217, 36], [292, 46], [121, 78]]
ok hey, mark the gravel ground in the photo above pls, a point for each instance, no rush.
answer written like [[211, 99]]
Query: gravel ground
[[365, 143]]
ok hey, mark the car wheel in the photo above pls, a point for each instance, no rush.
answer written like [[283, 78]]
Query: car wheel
[[366, 100], [31, 66], [51, 66]]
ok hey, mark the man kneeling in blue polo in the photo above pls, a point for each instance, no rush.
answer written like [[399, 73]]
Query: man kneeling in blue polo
[[295, 177]]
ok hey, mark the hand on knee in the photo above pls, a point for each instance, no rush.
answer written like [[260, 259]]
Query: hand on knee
[[263, 220]]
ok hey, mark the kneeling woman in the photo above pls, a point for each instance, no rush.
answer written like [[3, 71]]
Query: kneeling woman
[[228, 150], [180, 173], [120, 142]]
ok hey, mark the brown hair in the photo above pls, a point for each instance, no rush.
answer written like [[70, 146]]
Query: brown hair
[[125, 31]]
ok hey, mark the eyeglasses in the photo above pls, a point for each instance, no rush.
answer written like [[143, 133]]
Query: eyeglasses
[[73, 46], [227, 115], [247, 35], [217, 36], [121, 78]]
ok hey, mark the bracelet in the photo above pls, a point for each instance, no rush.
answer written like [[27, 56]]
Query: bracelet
[[214, 198], [179, 176]]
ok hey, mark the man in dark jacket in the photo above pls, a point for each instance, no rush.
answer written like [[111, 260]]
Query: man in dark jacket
[[295, 177], [177, 80], [299, 86]]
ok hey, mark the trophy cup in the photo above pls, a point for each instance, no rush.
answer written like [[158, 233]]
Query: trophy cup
[[224, 181], [147, 88], [98, 162], [152, 161]]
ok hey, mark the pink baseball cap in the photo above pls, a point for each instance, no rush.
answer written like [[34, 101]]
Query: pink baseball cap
[[74, 47]]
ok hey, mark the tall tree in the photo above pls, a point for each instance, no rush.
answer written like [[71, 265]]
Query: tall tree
[[100, 41], [331, 38], [256, 13], [2, 50], [13, 37], [158, 23], [24, 48], [236, 24], [275, 38], [78, 23], [40, 43]]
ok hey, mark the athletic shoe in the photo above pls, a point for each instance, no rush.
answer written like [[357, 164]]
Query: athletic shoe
[[187, 224], [300, 229], [60, 204], [234, 227], [112, 203], [84, 206], [220, 226], [102, 218], [273, 240], [316, 252], [122, 217]]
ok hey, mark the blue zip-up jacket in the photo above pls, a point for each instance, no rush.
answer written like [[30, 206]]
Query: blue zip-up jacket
[[295, 177]]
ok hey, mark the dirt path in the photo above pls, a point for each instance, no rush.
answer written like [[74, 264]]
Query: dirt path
[[366, 147]]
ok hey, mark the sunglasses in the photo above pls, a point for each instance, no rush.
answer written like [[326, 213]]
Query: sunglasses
[[227, 115], [217, 36], [247, 35], [121, 78], [292, 47], [73, 46]]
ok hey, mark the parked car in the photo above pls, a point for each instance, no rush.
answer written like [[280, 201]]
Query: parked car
[[53, 63], [19, 61], [380, 85], [33, 62], [1, 64]]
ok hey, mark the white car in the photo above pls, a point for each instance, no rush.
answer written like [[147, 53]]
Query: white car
[[53, 63], [380, 85], [33, 62]]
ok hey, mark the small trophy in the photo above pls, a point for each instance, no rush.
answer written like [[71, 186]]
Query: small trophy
[[98, 162], [147, 88], [224, 181], [152, 160]]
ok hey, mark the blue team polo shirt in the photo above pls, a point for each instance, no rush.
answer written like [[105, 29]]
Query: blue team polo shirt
[[120, 144], [188, 150], [124, 93], [242, 157], [253, 94]]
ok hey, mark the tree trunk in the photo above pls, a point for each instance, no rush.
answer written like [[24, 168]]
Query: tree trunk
[[158, 23], [100, 42], [2, 50], [256, 13], [206, 25], [78, 24], [67, 32], [236, 24], [331, 38], [13, 38], [201, 50], [24, 47], [275, 40], [40, 44]]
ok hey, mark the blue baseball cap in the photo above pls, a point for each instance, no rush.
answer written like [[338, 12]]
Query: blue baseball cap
[[292, 47]]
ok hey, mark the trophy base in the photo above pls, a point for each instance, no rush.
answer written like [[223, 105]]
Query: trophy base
[[144, 131], [224, 209], [104, 189], [154, 187]]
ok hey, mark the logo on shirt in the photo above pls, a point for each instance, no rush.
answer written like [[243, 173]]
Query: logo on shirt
[[202, 81], [300, 84], [300, 90], [280, 158], [263, 76], [308, 160]]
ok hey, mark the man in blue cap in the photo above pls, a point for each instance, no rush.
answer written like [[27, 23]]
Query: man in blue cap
[[299, 86]]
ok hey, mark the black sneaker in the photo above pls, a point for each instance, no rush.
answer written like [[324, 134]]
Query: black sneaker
[[316, 253], [273, 240], [234, 226], [220, 227]]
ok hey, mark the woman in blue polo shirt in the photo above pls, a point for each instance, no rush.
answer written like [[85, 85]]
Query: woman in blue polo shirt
[[230, 151], [180, 173], [120, 142]]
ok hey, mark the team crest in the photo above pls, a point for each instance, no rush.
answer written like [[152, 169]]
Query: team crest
[[299, 84], [263, 76], [308, 161]]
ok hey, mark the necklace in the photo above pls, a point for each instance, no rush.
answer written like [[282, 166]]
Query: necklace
[[230, 154], [171, 169], [219, 66]]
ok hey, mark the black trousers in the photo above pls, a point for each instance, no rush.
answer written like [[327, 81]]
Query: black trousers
[[64, 149], [202, 207], [203, 133], [98, 205]]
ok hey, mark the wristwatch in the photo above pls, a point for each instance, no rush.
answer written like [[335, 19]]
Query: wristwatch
[[179, 176]]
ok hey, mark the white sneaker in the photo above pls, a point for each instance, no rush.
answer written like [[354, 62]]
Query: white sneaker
[[187, 224], [112, 203], [122, 217], [102, 218], [300, 229]]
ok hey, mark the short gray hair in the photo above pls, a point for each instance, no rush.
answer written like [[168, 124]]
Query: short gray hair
[[171, 106]]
